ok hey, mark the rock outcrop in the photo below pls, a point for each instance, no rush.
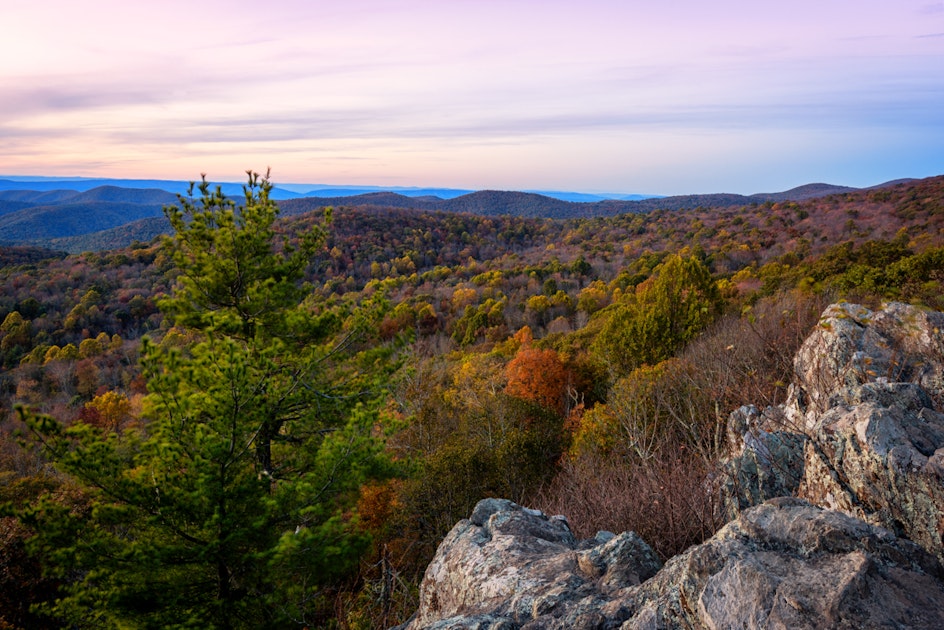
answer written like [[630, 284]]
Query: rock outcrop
[[769, 460], [860, 431], [853, 345], [836, 501], [507, 564], [788, 564], [783, 564]]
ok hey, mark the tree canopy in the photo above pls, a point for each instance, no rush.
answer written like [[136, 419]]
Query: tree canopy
[[665, 312], [229, 506]]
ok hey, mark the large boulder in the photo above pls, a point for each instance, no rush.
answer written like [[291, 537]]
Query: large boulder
[[507, 565], [853, 345], [878, 455], [788, 564], [767, 460], [860, 431], [783, 564]]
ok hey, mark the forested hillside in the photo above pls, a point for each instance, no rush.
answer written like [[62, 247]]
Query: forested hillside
[[272, 421], [111, 217]]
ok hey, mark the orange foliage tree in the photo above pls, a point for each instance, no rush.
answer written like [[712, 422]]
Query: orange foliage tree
[[538, 376]]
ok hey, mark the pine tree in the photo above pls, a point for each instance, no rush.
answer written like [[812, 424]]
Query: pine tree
[[229, 507], [667, 311]]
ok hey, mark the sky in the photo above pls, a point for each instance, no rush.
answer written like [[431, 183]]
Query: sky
[[631, 96]]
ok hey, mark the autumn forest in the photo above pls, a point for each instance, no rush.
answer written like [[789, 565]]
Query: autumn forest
[[272, 416]]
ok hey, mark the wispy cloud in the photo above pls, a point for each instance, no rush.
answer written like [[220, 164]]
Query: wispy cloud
[[467, 93], [934, 8]]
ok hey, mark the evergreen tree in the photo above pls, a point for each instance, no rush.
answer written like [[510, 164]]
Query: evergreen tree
[[666, 311], [229, 508]]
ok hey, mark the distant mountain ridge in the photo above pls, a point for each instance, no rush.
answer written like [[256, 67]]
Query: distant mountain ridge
[[84, 185], [282, 191], [527, 204], [807, 191], [43, 213]]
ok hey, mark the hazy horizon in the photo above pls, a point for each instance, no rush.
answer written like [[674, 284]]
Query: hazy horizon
[[303, 187], [611, 97]]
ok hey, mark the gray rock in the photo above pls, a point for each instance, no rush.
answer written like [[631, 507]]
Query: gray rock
[[859, 432], [873, 459], [783, 564], [770, 464], [852, 346], [511, 564], [788, 564]]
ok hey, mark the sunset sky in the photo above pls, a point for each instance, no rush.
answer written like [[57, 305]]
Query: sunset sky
[[631, 96]]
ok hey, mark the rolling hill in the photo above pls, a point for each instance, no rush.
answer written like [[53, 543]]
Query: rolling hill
[[111, 216]]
